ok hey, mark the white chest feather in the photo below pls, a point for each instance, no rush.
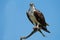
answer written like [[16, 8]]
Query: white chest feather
[[32, 17]]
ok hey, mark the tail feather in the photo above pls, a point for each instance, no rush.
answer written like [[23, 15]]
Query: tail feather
[[45, 29], [47, 24]]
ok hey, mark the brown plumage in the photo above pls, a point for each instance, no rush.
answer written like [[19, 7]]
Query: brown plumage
[[37, 19], [41, 19]]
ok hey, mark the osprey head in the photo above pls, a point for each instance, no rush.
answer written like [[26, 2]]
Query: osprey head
[[32, 7], [31, 4]]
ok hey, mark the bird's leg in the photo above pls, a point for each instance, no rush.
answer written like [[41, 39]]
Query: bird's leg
[[36, 27], [41, 32], [34, 30]]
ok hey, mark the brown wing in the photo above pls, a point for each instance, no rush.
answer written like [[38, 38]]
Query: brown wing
[[40, 18]]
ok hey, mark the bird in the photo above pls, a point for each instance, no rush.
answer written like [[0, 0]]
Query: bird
[[37, 18]]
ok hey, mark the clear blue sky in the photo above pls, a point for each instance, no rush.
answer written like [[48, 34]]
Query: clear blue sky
[[14, 22]]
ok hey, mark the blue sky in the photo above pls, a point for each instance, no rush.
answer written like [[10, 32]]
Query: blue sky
[[14, 22]]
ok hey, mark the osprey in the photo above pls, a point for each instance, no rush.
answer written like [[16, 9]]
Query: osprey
[[37, 19]]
